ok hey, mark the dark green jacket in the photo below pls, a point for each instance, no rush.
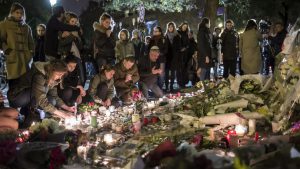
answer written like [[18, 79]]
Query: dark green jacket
[[37, 80], [98, 79]]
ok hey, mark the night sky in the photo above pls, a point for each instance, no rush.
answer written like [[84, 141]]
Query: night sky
[[75, 6]]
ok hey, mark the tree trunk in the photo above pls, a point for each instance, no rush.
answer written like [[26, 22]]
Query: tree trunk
[[210, 11]]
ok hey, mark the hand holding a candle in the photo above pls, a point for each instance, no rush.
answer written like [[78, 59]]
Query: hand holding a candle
[[68, 108]]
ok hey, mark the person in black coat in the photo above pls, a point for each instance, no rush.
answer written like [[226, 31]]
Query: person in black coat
[[149, 70], [39, 52], [70, 90], [216, 48], [276, 42], [183, 31], [204, 39], [173, 55], [104, 42], [230, 47], [54, 25], [159, 40], [139, 46]]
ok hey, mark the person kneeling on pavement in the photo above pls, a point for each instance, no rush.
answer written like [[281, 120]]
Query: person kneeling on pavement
[[125, 78], [38, 89], [102, 86], [70, 90], [149, 70]]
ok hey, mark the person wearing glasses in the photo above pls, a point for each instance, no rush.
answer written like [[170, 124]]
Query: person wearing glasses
[[39, 53]]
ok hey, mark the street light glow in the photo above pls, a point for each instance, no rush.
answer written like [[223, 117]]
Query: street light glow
[[220, 25], [52, 2]]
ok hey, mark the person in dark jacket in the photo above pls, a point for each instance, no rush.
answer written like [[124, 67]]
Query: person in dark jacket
[[276, 42], [39, 54], [147, 43], [149, 70], [183, 31], [70, 90], [54, 25], [104, 42], [139, 46], [38, 89], [71, 43], [125, 78], [173, 55], [193, 69], [230, 48], [102, 86], [216, 48], [159, 40], [204, 39]]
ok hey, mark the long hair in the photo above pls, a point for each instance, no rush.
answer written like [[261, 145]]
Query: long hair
[[69, 16], [136, 31], [251, 24], [17, 6], [171, 24], [126, 33], [203, 23], [182, 24], [55, 66]]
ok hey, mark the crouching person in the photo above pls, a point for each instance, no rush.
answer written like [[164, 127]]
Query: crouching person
[[102, 86], [125, 78], [149, 71], [38, 89], [70, 90]]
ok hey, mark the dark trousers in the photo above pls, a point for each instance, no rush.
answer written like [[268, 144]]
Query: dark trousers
[[170, 77], [69, 95], [229, 68], [153, 87]]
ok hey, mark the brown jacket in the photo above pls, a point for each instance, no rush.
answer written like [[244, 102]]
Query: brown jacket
[[120, 75], [37, 80], [18, 45], [250, 51]]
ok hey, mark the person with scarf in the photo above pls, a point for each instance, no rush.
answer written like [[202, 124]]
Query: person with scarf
[[124, 47], [17, 43], [173, 55], [104, 42]]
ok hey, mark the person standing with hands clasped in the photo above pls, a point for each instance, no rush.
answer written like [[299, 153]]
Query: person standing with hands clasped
[[204, 39]]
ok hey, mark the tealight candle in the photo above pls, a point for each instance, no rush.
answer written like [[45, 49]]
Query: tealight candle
[[108, 139], [135, 118], [240, 130]]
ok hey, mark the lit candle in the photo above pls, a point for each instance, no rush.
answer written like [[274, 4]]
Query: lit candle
[[93, 119], [240, 130], [108, 139]]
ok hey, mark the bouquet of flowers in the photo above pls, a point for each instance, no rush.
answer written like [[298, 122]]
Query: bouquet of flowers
[[88, 107]]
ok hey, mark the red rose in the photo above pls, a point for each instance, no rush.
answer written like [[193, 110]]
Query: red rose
[[57, 158], [91, 104], [145, 121], [154, 119]]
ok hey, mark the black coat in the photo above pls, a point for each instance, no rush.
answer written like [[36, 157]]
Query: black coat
[[145, 70], [230, 41], [39, 52], [173, 54], [204, 39], [277, 41], [51, 37], [105, 46], [192, 48], [162, 45], [185, 42], [139, 49]]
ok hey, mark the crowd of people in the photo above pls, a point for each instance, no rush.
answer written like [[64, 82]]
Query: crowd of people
[[55, 80]]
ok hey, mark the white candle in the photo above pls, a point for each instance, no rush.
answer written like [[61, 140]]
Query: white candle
[[108, 139], [240, 130]]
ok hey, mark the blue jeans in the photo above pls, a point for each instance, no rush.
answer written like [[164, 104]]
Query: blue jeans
[[153, 87]]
